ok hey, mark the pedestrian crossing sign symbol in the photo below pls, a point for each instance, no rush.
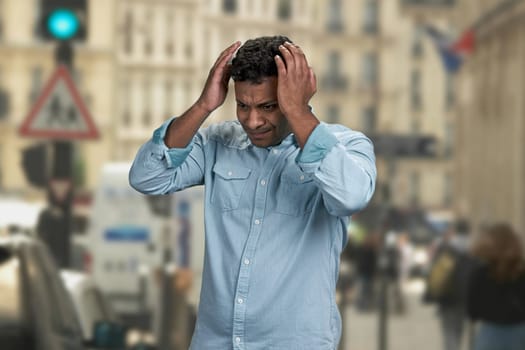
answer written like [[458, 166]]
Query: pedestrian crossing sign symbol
[[59, 111]]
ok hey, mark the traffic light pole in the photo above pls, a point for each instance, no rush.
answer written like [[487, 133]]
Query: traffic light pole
[[384, 264], [56, 221]]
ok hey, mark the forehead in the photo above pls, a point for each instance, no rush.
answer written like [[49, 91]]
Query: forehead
[[250, 93]]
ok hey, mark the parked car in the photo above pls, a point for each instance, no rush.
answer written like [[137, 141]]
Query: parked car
[[96, 314], [36, 312]]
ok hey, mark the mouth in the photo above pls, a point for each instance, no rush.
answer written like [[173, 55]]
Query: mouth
[[258, 135]]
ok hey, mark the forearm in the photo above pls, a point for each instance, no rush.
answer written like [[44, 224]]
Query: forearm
[[182, 129], [342, 166]]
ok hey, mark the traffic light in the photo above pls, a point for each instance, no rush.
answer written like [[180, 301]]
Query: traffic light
[[34, 164], [63, 19]]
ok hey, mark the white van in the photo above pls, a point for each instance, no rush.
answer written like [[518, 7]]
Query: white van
[[131, 235]]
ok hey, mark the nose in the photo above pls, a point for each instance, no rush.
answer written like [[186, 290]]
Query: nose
[[254, 119]]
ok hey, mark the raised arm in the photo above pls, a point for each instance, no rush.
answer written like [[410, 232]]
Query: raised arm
[[181, 130], [170, 161], [296, 85]]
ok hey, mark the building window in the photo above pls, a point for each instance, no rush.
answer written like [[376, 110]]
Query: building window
[[414, 188], [370, 17], [449, 139], [229, 6], [415, 90], [127, 32], [333, 114], [148, 37], [335, 19], [417, 42], [1, 23], [284, 9], [146, 115], [448, 190], [169, 95], [415, 125], [36, 84], [169, 47], [334, 80], [334, 62], [450, 97], [126, 98], [369, 119], [4, 101], [369, 72]]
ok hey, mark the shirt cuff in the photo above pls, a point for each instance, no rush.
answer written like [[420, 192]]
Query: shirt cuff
[[174, 156], [319, 143]]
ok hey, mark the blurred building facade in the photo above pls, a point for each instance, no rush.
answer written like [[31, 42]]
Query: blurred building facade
[[490, 159], [146, 60]]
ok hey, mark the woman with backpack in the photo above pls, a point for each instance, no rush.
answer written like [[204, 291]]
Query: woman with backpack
[[496, 290]]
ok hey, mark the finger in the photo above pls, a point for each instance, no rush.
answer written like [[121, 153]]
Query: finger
[[298, 56], [288, 57], [225, 56], [226, 74], [281, 68], [313, 79]]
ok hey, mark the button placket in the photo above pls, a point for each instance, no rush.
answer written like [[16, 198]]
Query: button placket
[[241, 292]]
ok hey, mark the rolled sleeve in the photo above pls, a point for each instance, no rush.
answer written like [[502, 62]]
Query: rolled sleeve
[[173, 156], [320, 142]]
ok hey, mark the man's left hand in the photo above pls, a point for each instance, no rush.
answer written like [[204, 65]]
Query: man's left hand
[[296, 81]]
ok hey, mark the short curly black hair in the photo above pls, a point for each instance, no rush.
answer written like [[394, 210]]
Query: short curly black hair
[[254, 60]]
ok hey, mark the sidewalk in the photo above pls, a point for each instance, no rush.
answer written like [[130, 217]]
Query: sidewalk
[[417, 329]]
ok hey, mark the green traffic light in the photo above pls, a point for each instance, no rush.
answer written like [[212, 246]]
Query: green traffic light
[[63, 24]]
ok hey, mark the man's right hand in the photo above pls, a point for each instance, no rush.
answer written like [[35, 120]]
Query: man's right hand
[[216, 87]]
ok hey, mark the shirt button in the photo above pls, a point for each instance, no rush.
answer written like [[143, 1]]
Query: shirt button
[[301, 177], [257, 222], [263, 182], [230, 173], [275, 151], [240, 301], [246, 261], [237, 340]]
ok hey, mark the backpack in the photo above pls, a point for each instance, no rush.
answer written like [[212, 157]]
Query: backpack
[[441, 278]]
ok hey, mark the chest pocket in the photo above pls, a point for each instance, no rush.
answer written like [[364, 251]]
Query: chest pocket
[[228, 185], [296, 192]]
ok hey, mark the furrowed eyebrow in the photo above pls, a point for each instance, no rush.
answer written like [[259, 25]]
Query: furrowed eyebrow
[[262, 104], [269, 103]]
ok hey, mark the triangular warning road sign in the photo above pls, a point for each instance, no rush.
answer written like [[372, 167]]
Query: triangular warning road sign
[[59, 112]]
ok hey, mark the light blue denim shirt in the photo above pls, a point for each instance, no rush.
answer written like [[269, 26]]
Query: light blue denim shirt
[[275, 223]]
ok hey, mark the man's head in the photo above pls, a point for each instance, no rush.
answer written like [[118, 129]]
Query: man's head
[[254, 73], [254, 61]]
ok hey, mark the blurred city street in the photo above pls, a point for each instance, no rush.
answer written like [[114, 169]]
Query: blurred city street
[[416, 329]]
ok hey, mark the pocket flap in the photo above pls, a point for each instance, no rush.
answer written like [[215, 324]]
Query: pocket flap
[[231, 172], [295, 175]]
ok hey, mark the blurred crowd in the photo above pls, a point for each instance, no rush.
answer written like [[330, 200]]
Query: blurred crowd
[[474, 278]]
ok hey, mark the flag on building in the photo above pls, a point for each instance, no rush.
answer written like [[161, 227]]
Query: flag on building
[[453, 52]]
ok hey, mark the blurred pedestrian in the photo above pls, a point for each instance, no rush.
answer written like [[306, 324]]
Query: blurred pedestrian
[[366, 269], [393, 272], [279, 189], [446, 283], [496, 294]]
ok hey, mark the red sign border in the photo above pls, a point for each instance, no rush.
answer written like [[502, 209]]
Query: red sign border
[[26, 128]]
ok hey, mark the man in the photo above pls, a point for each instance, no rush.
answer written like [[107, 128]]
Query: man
[[279, 189]]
